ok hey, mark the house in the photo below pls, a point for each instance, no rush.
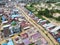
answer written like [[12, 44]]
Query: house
[[58, 39], [5, 26], [11, 29], [39, 20], [1, 10], [15, 27], [30, 13], [25, 25], [18, 40], [26, 41], [55, 29], [4, 22], [42, 22], [50, 27], [24, 35], [31, 31], [35, 37], [14, 16], [47, 25], [6, 32], [35, 19], [40, 40], [20, 20], [32, 16], [56, 34], [0, 14], [15, 10], [3, 18], [21, 44], [10, 42]]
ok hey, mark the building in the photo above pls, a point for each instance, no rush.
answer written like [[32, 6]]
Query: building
[[35, 1], [11, 29], [2, 3], [28, 1], [15, 27]]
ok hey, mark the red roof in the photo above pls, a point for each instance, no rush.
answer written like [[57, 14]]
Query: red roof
[[25, 35], [50, 28], [59, 33], [24, 24]]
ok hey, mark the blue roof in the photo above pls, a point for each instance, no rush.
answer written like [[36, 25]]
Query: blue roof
[[58, 39], [13, 16], [3, 18], [10, 43], [30, 13]]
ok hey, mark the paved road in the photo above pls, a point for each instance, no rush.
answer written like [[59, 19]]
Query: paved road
[[45, 34]]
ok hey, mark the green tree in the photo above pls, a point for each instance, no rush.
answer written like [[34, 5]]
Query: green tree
[[58, 18], [31, 44], [13, 23]]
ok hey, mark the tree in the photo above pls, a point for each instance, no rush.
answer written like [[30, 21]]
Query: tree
[[40, 12], [13, 23], [31, 5], [31, 44], [58, 18]]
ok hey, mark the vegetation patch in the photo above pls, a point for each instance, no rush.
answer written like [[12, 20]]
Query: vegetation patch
[[47, 13]]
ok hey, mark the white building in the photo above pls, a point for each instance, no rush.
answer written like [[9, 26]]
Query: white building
[[55, 29]]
